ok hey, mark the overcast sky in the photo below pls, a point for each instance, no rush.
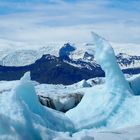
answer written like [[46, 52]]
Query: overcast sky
[[70, 20]]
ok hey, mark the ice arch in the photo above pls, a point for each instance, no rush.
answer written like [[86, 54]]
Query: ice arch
[[102, 103]]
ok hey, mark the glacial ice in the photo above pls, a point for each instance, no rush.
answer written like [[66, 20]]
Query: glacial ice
[[105, 56], [108, 106], [135, 84], [22, 116]]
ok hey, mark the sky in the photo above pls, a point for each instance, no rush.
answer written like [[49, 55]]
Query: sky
[[70, 20]]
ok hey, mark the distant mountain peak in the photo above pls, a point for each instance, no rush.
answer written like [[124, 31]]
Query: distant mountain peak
[[65, 51]]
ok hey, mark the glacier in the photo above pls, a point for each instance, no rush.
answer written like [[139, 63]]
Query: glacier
[[103, 111]]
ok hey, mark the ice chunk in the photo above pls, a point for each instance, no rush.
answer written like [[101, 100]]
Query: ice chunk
[[22, 116], [105, 56], [134, 82], [26, 77], [103, 102], [82, 84]]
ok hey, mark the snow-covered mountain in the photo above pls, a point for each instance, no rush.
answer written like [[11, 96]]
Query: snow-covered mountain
[[65, 67], [78, 55], [20, 58], [128, 61]]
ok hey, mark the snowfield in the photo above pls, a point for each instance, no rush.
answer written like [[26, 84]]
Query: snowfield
[[109, 110], [15, 53]]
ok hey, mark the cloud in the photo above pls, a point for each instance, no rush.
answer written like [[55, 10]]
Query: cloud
[[59, 20]]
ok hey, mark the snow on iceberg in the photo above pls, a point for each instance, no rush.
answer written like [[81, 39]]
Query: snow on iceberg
[[111, 105], [22, 116]]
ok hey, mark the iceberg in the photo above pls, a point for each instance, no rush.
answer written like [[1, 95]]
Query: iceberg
[[110, 105], [22, 116], [134, 82], [105, 56]]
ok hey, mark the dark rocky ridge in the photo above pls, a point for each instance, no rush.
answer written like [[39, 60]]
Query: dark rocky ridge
[[54, 70], [64, 70]]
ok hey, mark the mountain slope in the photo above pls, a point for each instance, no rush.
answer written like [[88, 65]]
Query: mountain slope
[[26, 54], [53, 70]]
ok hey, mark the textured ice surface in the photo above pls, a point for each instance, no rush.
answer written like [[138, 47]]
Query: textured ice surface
[[22, 116], [110, 105], [135, 84], [105, 56]]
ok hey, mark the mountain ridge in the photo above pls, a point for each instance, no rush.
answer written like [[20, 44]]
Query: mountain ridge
[[54, 70]]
